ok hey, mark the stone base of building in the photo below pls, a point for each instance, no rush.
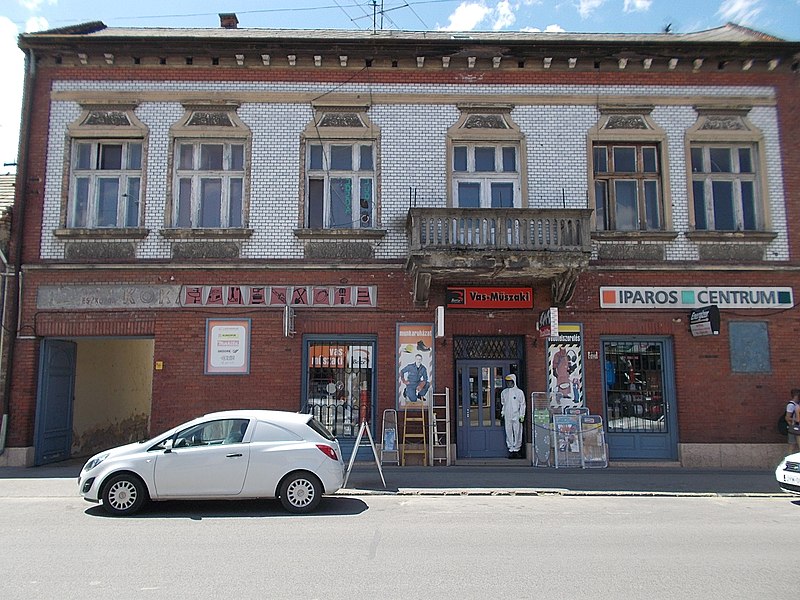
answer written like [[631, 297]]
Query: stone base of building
[[17, 457], [731, 456]]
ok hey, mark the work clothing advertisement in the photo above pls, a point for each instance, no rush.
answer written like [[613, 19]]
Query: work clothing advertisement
[[414, 364]]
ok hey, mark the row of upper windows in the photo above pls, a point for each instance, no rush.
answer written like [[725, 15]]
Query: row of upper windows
[[210, 176]]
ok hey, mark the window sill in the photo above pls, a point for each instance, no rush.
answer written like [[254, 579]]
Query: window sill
[[700, 237], [634, 236], [208, 233], [339, 234], [101, 233]]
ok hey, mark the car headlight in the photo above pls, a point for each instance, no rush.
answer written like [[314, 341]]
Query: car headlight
[[93, 462]]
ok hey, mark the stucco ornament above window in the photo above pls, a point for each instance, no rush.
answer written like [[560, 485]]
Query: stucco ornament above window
[[200, 118], [340, 119], [113, 118], [485, 122], [626, 122]]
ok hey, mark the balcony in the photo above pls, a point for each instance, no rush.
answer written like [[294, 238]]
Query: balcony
[[458, 244]]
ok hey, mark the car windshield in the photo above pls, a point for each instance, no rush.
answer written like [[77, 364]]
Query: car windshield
[[320, 429]]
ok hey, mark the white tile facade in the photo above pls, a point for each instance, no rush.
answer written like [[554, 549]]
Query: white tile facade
[[412, 156]]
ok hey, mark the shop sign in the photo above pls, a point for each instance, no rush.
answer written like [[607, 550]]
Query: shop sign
[[565, 367], [103, 297], [490, 297], [704, 321], [268, 296], [547, 325], [696, 297]]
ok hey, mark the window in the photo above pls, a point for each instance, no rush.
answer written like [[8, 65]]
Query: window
[[340, 157], [725, 187], [209, 186], [486, 159], [106, 165], [339, 377], [486, 175], [627, 187], [726, 168], [340, 185], [209, 170], [628, 190], [105, 184]]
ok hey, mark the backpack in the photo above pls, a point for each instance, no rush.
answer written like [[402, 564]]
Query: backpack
[[783, 426]]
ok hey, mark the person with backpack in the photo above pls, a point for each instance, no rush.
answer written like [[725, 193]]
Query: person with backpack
[[792, 417]]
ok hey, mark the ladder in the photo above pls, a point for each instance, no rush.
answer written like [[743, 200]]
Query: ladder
[[440, 428], [415, 435]]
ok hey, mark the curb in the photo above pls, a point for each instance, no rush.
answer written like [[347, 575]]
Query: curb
[[551, 492]]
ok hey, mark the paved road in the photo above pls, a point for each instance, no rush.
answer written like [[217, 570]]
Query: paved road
[[404, 547]]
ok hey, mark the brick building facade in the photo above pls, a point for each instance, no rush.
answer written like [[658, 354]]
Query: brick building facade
[[210, 219]]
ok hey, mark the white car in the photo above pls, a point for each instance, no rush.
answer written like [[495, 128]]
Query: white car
[[788, 474], [225, 455]]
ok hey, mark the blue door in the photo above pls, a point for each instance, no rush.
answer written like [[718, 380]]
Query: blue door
[[640, 399], [481, 432], [53, 429]]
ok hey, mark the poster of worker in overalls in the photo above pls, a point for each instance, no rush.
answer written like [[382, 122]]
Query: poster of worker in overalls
[[565, 368], [414, 364]]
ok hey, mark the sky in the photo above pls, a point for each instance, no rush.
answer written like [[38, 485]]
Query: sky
[[780, 18]]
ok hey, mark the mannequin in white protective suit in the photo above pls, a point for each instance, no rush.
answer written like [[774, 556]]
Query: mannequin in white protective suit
[[513, 400]]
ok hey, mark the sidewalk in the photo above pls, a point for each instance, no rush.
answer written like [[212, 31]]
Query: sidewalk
[[61, 480]]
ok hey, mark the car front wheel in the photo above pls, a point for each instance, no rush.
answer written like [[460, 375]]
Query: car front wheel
[[124, 494], [300, 493]]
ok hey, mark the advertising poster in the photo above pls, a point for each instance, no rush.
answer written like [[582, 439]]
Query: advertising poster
[[565, 368], [568, 440], [414, 364], [593, 444], [227, 347]]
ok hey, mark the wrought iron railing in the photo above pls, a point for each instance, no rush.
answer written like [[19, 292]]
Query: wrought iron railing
[[522, 229]]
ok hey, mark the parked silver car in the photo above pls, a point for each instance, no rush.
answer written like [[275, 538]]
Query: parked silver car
[[225, 455], [788, 474]]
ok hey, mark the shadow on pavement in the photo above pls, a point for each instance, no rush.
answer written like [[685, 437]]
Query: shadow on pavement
[[196, 510]]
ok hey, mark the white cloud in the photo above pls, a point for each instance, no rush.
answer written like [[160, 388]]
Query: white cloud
[[11, 74], [36, 24], [637, 5], [742, 12], [549, 29], [587, 7], [33, 5], [504, 15], [467, 16]]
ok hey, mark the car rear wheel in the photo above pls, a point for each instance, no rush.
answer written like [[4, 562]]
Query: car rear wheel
[[300, 493], [124, 494]]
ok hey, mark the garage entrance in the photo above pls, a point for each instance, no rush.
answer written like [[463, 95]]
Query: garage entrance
[[93, 393]]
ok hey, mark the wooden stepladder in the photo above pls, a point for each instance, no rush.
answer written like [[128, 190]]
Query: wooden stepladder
[[416, 434]]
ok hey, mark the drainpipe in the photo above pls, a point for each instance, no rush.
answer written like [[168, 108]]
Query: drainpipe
[[10, 319]]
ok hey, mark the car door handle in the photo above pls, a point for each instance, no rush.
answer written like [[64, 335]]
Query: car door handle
[[234, 455]]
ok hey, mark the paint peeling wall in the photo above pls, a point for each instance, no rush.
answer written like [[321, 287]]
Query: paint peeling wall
[[113, 393]]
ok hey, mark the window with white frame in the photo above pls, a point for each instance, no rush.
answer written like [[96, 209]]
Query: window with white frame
[[627, 186], [486, 159], [209, 184], [340, 184], [486, 175], [105, 183], [210, 162], [725, 187]]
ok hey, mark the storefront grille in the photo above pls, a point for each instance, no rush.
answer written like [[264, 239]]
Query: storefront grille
[[488, 348], [339, 378]]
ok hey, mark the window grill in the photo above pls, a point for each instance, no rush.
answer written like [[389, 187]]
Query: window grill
[[488, 347]]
